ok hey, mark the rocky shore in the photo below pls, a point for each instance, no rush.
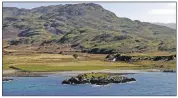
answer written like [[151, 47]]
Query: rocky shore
[[15, 73], [169, 70], [6, 79], [97, 78]]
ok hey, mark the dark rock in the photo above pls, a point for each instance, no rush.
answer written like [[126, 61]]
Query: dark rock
[[65, 82], [74, 80]]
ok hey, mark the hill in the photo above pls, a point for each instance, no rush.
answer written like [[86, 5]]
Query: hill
[[86, 27], [170, 25]]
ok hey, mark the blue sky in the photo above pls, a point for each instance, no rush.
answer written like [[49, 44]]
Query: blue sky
[[147, 12]]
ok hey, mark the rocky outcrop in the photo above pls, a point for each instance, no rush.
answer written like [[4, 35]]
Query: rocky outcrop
[[169, 70], [97, 78], [6, 79], [119, 57]]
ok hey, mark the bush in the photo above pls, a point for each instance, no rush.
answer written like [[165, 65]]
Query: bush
[[75, 56]]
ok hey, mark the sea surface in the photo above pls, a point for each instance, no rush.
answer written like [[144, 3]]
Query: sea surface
[[147, 84]]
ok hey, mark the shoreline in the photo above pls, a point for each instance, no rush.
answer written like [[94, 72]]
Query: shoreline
[[15, 73]]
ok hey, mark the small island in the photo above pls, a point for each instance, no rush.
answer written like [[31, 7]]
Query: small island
[[97, 78]]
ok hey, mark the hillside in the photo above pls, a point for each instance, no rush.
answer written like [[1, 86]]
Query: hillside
[[86, 27], [170, 25]]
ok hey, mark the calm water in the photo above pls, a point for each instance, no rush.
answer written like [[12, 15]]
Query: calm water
[[148, 83]]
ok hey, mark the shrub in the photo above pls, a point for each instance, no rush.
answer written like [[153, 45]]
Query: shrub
[[75, 56]]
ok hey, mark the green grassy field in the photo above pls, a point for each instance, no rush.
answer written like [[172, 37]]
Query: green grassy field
[[42, 62]]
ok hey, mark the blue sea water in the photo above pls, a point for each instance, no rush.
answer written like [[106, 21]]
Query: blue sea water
[[147, 84]]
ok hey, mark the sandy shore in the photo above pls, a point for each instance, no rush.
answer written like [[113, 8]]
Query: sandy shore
[[9, 71], [103, 71], [15, 73]]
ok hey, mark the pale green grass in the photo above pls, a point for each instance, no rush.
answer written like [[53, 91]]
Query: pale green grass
[[58, 62]]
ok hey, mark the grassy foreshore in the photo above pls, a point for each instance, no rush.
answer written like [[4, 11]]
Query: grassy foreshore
[[58, 62], [43, 62]]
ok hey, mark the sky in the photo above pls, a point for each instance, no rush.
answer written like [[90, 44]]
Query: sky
[[145, 12]]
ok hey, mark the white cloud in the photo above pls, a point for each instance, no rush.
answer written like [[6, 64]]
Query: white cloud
[[162, 11]]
